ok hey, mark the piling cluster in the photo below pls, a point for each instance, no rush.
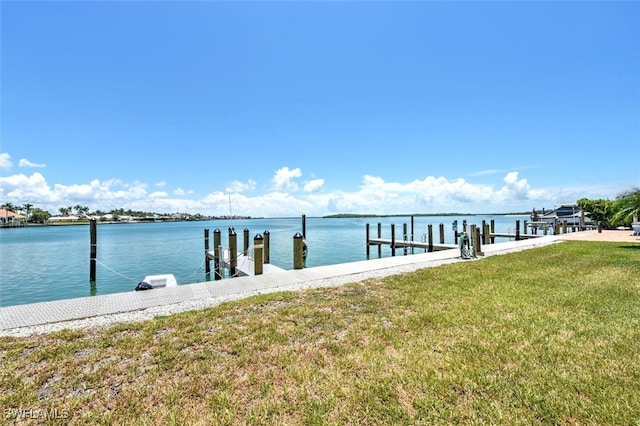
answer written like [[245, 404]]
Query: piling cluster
[[477, 235]]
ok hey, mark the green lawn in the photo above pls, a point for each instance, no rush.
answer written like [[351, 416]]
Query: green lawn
[[545, 336]]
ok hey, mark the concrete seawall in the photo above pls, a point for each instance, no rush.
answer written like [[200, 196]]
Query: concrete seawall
[[44, 317]]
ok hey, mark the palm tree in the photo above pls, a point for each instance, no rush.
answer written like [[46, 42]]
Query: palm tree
[[9, 207], [27, 208], [627, 206]]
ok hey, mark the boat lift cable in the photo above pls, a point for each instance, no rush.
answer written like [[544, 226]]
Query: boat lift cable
[[197, 271], [114, 271], [245, 260]]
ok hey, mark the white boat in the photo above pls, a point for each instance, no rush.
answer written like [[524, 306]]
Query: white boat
[[157, 281]]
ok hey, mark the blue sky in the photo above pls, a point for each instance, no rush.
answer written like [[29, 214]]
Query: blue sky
[[289, 108]]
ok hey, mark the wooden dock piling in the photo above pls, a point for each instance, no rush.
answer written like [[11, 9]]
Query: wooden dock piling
[[217, 242], [233, 251], [258, 250], [298, 251], [493, 230], [245, 241], [368, 237], [93, 249], [394, 243], [231, 263], [393, 239], [207, 262], [405, 237], [475, 234], [482, 230], [304, 226], [486, 232], [412, 231], [267, 248]]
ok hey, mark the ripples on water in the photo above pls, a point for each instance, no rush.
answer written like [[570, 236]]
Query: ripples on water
[[42, 263]]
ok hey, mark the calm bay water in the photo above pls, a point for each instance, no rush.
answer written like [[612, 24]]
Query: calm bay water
[[43, 263]]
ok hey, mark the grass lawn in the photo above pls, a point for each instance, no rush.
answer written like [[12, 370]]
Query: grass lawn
[[546, 336]]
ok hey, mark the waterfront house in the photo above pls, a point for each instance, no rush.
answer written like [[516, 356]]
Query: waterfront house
[[570, 213], [9, 219]]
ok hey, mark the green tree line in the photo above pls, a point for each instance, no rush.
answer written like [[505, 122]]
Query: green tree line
[[613, 213], [38, 215]]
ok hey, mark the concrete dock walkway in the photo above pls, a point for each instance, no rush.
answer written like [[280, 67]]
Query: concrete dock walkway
[[107, 309]]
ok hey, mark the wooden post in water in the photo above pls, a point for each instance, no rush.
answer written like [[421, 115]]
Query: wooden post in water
[[304, 226], [367, 236], [484, 230], [430, 237], [217, 241], [298, 249], [477, 244], [258, 251], [207, 263], [472, 238], [487, 234], [405, 238], [233, 251], [267, 248], [393, 239], [517, 229], [493, 230], [526, 224], [245, 241], [366, 233], [93, 231], [379, 236], [442, 233], [412, 234]]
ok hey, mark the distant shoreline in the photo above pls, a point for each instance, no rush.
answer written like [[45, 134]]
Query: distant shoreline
[[205, 219], [357, 215]]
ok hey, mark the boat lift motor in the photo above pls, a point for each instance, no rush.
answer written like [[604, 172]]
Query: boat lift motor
[[465, 246]]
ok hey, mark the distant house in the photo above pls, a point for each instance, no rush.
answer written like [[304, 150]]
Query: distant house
[[9, 219], [54, 219], [569, 213], [127, 219]]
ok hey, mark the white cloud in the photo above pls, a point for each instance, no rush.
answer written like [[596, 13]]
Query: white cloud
[[5, 161], [283, 179], [237, 186], [487, 172], [514, 189], [21, 188], [511, 178], [314, 185], [375, 195], [26, 163], [161, 184], [181, 192]]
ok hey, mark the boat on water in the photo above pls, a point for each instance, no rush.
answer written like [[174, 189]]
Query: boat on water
[[151, 282]]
